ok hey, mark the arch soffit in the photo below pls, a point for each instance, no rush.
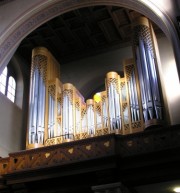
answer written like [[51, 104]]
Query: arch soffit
[[49, 10]]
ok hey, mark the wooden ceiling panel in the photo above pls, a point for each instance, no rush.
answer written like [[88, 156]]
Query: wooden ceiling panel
[[109, 30], [79, 33]]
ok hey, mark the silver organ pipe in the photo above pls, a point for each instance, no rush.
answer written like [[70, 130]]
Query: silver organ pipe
[[65, 112], [117, 109], [79, 100], [113, 101], [59, 108], [147, 73], [68, 111], [31, 107], [98, 110], [98, 118], [59, 115], [142, 90], [78, 118], [90, 117], [41, 111], [104, 109], [146, 79], [35, 107], [36, 118], [37, 102], [132, 103], [49, 114], [155, 85], [135, 97], [84, 130], [125, 112], [51, 118]]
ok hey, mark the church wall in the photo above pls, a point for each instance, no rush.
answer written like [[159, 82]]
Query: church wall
[[170, 79], [10, 127], [89, 73]]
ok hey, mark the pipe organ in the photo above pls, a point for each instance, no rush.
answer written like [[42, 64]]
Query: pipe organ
[[59, 113]]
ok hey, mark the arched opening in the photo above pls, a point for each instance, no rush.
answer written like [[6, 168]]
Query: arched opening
[[48, 10], [40, 12]]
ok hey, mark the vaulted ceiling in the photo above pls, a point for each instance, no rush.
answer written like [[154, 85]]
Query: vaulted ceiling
[[83, 32]]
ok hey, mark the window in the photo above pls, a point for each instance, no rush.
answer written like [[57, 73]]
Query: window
[[3, 80], [11, 89], [7, 85]]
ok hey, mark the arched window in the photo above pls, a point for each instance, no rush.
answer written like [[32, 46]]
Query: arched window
[[8, 84], [11, 88], [3, 80]]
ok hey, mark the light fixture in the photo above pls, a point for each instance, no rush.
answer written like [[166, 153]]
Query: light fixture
[[177, 189], [97, 97]]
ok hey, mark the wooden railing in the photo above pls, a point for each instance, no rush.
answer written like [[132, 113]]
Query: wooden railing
[[154, 140], [61, 154]]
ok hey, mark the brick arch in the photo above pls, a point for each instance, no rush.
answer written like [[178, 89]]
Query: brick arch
[[48, 10]]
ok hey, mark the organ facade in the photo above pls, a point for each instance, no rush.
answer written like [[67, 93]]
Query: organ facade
[[59, 113]]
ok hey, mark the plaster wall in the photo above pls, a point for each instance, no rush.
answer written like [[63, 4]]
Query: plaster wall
[[10, 127], [170, 79], [89, 73]]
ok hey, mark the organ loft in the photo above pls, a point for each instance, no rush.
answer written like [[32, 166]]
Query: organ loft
[[59, 113], [100, 144]]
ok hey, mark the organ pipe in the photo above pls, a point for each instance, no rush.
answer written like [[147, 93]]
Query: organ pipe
[[146, 62], [105, 123], [37, 102], [68, 111], [90, 117], [98, 113], [84, 129], [114, 110], [133, 108]]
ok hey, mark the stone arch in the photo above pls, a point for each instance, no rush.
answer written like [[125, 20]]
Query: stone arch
[[47, 10]]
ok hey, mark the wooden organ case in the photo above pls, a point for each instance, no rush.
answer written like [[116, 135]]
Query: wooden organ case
[[59, 113]]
